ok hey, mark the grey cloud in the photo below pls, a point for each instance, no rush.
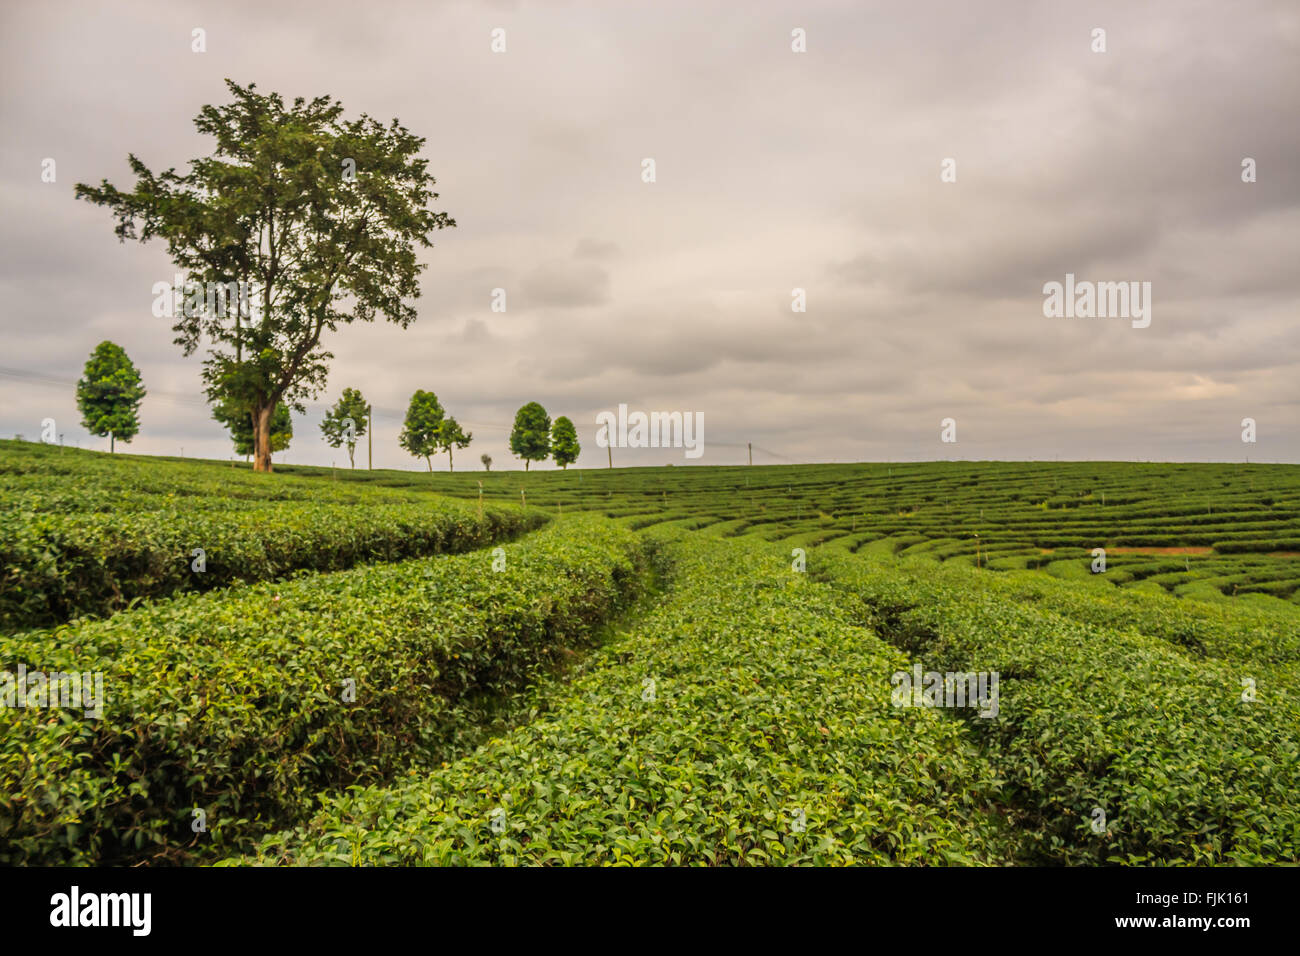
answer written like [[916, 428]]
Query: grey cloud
[[776, 170]]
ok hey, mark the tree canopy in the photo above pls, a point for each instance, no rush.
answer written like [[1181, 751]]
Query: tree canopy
[[451, 435], [350, 408], [531, 437], [317, 217], [109, 394], [420, 431], [564, 442]]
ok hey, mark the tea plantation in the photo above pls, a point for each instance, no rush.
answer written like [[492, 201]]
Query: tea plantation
[[917, 664]]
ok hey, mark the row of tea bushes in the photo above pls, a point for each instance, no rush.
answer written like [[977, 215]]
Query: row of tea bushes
[[1234, 630], [1182, 758], [47, 478], [745, 720], [237, 704], [57, 567]]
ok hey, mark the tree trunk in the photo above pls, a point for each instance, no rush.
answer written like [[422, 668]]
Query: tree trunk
[[352, 449], [451, 465], [526, 463], [262, 437], [112, 443], [429, 461]]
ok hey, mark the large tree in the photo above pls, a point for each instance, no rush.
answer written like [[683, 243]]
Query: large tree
[[350, 407], [451, 435], [241, 427], [564, 442], [531, 437], [318, 217], [109, 395], [423, 422]]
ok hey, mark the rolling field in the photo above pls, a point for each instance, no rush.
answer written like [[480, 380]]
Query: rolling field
[[688, 665], [1207, 531]]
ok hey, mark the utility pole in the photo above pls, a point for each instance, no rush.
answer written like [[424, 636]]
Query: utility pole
[[751, 452], [370, 439]]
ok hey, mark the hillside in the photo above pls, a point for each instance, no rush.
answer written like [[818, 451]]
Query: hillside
[[910, 663]]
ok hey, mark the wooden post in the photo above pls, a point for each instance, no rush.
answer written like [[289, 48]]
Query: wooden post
[[750, 445], [609, 449], [370, 439]]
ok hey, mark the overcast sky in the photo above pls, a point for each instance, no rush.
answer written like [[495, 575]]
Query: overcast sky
[[775, 170]]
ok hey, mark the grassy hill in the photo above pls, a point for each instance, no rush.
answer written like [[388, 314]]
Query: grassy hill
[[674, 665]]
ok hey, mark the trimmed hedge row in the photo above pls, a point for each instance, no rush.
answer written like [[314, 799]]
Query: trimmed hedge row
[[1183, 768], [232, 703], [745, 720], [54, 567]]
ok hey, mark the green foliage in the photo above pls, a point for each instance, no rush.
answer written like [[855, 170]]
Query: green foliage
[[530, 439], [564, 442], [423, 425], [1241, 522], [767, 700], [1126, 692], [95, 548], [109, 393], [1157, 735], [276, 207], [240, 426], [346, 422], [234, 702], [451, 435]]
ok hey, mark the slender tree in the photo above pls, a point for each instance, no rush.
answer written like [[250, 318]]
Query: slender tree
[[352, 407], [487, 461], [531, 437], [424, 418], [316, 218], [451, 435], [564, 442], [109, 395]]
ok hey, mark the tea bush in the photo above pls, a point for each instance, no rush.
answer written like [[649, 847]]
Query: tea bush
[[767, 737], [231, 702]]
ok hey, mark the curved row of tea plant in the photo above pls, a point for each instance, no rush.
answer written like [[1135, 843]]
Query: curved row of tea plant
[[57, 567], [1013, 512], [745, 720], [233, 703], [1191, 759], [46, 478]]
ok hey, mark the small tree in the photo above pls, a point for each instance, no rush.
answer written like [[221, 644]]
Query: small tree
[[352, 406], [240, 425], [109, 395], [451, 435], [487, 461], [564, 442], [423, 422], [531, 437]]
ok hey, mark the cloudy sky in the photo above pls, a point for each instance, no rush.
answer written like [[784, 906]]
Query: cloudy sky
[[775, 170]]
